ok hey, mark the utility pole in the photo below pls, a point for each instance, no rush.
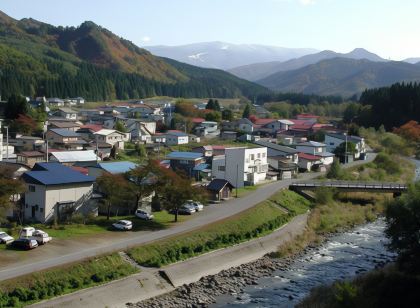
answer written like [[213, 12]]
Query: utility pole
[[237, 179], [97, 149], [345, 154], [7, 142]]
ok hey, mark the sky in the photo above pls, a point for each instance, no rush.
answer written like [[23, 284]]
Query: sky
[[389, 28]]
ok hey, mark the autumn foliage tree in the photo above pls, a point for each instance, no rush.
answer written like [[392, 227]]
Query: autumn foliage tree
[[409, 131], [8, 187]]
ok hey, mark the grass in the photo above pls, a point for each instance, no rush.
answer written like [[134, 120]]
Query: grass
[[42, 285], [100, 225], [335, 216], [252, 223]]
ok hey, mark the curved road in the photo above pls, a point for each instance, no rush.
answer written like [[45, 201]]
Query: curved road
[[72, 251]]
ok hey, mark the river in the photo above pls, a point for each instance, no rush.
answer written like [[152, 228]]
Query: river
[[343, 256]]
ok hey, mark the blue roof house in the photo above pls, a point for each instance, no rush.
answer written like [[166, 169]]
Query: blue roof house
[[118, 167], [191, 163], [52, 190]]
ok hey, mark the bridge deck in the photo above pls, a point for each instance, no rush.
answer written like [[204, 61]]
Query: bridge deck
[[349, 185]]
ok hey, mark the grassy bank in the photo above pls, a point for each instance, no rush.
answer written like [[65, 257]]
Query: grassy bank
[[387, 287], [336, 212], [42, 285], [257, 221]]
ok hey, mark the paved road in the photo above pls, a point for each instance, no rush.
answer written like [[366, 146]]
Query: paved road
[[68, 251]]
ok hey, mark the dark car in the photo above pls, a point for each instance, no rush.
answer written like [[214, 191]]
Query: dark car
[[24, 243]]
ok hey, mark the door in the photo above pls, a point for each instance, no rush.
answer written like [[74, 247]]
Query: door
[[33, 211]]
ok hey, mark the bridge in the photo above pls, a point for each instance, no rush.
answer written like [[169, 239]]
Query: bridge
[[352, 186]]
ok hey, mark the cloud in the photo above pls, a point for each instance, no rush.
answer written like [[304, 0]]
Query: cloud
[[146, 39]]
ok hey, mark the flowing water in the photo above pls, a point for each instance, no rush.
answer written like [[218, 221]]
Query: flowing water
[[342, 256]]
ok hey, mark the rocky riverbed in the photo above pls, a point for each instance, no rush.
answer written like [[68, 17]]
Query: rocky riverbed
[[235, 286]]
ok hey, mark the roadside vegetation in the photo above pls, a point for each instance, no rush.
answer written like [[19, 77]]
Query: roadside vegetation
[[46, 284], [255, 222], [397, 284]]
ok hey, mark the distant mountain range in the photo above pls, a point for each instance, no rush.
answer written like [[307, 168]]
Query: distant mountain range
[[342, 76], [259, 71], [225, 56], [40, 59]]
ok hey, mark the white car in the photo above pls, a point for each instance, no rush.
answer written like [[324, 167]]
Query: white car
[[123, 225], [26, 232], [144, 215], [5, 238], [196, 204], [41, 237]]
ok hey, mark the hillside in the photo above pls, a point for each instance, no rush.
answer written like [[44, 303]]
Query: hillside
[[225, 56], [340, 76], [257, 71], [90, 61]]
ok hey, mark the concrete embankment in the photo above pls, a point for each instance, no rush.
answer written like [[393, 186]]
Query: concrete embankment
[[149, 282]]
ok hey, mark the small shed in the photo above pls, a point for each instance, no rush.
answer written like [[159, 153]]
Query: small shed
[[220, 189]]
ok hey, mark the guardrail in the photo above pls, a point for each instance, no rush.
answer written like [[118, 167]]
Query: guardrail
[[352, 185]]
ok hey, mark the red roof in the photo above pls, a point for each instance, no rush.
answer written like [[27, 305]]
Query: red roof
[[308, 156], [307, 115], [301, 125], [31, 154], [198, 120], [93, 127]]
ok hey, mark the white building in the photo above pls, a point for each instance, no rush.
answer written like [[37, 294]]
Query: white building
[[53, 189], [241, 166], [176, 138], [317, 149], [1, 144], [112, 137], [334, 140]]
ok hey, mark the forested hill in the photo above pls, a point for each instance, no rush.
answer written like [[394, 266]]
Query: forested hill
[[40, 59], [389, 106]]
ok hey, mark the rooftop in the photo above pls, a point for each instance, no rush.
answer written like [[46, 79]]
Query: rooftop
[[31, 154], [184, 155], [64, 132], [308, 156], [218, 184], [55, 174], [106, 132], [67, 110], [74, 156], [311, 144], [344, 137], [117, 167], [276, 147]]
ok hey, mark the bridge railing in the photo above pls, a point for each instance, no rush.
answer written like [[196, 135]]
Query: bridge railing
[[352, 185]]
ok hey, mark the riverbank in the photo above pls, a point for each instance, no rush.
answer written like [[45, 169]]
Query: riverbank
[[234, 280]]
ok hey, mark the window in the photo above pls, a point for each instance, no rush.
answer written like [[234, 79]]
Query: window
[[31, 188], [221, 168], [41, 210], [331, 143], [252, 156], [259, 155], [263, 155]]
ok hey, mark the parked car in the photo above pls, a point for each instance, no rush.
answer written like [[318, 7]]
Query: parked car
[[41, 237], [5, 238], [24, 243], [123, 225], [187, 209], [144, 215], [26, 232], [196, 204]]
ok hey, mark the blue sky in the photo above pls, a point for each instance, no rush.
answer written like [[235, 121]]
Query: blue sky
[[390, 28]]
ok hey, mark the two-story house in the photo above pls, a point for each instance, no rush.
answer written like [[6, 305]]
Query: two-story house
[[334, 140], [52, 190], [176, 138], [241, 166], [112, 137], [317, 149], [64, 138], [190, 163], [66, 113]]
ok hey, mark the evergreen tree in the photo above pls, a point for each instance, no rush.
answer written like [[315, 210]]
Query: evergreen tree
[[227, 115], [16, 105], [247, 112], [210, 104]]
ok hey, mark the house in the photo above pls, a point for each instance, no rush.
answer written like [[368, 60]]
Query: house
[[30, 158], [55, 101], [27, 143], [75, 158], [64, 138], [334, 140], [245, 125], [301, 128], [274, 150], [228, 135], [219, 189], [140, 130], [176, 138], [317, 149], [88, 131], [210, 150], [53, 190], [308, 162], [308, 117], [193, 138], [77, 100], [112, 137], [188, 162], [206, 127], [282, 167], [118, 167], [159, 138], [272, 126], [69, 125], [241, 166], [66, 113]]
